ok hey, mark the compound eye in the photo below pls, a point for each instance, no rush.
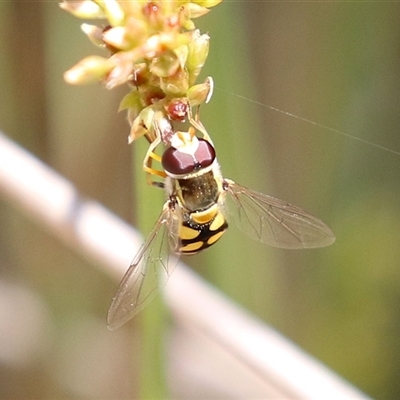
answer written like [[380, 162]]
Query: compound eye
[[205, 153], [176, 162]]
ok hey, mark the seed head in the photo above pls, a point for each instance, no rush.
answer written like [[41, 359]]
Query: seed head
[[154, 47]]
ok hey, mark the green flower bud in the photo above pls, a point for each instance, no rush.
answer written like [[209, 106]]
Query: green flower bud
[[94, 33], [182, 52], [88, 70], [123, 67], [176, 85], [165, 65], [189, 25], [86, 9], [207, 3], [201, 93], [117, 38], [193, 10], [197, 56], [132, 100], [114, 13], [142, 123]]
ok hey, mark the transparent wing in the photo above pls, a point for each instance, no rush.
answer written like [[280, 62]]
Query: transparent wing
[[274, 222], [148, 272]]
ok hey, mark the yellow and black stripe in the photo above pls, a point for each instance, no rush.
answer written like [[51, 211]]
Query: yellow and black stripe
[[201, 231]]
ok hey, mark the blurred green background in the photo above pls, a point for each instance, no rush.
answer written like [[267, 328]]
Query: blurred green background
[[335, 63]]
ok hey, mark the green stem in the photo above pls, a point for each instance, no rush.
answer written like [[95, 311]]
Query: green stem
[[153, 319]]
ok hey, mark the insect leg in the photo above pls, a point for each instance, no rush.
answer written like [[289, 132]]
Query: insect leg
[[196, 123]]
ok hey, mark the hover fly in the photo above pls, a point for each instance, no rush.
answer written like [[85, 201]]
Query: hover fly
[[193, 217]]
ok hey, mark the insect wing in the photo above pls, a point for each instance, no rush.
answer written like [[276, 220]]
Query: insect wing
[[275, 222], [148, 272]]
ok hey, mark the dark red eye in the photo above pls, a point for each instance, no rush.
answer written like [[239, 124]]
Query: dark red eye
[[176, 162], [205, 154]]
